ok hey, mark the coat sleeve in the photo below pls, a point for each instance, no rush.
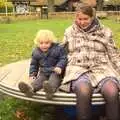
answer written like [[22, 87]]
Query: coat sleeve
[[113, 52], [65, 43], [110, 46], [65, 38], [62, 62], [34, 64]]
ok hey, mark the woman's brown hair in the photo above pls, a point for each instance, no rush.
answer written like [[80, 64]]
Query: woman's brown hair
[[85, 9]]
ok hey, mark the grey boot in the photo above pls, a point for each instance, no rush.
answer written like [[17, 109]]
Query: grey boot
[[48, 90], [26, 89]]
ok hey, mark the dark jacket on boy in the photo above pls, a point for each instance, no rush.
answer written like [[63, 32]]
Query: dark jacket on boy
[[46, 61]]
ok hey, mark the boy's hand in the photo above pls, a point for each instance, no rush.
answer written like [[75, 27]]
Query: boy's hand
[[58, 70], [32, 78]]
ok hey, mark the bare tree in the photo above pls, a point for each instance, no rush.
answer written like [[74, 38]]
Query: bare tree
[[100, 4], [2, 3], [51, 5], [114, 2]]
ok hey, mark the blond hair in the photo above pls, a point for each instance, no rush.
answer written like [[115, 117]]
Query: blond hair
[[44, 35]]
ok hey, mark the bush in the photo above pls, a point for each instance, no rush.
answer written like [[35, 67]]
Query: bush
[[5, 19], [102, 14], [2, 9], [118, 19]]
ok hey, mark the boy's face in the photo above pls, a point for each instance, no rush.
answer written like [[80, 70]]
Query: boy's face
[[44, 45]]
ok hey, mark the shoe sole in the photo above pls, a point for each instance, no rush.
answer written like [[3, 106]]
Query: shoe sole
[[26, 89]]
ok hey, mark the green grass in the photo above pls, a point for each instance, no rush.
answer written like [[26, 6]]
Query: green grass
[[115, 27], [16, 39], [14, 109], [16, 43]]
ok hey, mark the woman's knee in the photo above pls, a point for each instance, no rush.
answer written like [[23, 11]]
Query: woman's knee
[[83, 88], [109, 89]]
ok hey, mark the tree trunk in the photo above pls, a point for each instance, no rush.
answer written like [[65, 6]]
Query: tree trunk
[[100, 5], [51, 5], [6, 9]]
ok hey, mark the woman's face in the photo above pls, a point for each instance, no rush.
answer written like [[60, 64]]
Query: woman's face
[[83, 20]]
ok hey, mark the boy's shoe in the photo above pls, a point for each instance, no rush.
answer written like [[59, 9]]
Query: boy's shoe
[[26, 89], [48, 90]]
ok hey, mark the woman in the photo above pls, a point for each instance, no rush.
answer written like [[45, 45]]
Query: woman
[[93, 64]]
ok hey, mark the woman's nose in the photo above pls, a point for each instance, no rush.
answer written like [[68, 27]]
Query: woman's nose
[[82, 22]]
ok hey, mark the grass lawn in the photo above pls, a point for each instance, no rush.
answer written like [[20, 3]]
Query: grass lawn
[[16, 39], [16, 43]]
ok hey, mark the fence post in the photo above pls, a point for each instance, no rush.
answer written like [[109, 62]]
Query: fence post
[[44, 12]]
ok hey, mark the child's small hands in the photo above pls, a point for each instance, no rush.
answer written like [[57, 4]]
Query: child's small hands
[[32, 78], [58, 70]]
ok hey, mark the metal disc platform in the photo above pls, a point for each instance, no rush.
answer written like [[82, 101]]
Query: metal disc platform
[[12, 74]]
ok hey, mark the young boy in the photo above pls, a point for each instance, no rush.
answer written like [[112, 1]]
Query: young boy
[[48, 62]]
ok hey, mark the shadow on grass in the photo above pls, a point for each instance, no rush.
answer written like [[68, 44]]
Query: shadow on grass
[[16, 109]]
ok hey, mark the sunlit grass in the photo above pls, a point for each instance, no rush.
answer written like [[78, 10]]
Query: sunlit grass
[[16, 39]]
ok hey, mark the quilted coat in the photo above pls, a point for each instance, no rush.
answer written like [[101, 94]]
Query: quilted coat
[[46, 61]]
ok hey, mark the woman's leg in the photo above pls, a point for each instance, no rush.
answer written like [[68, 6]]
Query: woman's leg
[[110, 93], [83, 91]]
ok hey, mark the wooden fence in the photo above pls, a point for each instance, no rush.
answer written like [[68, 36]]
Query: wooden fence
[[66, 15]]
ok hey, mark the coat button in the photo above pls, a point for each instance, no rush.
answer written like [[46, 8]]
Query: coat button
[[78, 61]]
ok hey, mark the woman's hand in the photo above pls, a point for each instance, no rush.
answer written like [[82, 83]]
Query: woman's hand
[[58, 70]]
